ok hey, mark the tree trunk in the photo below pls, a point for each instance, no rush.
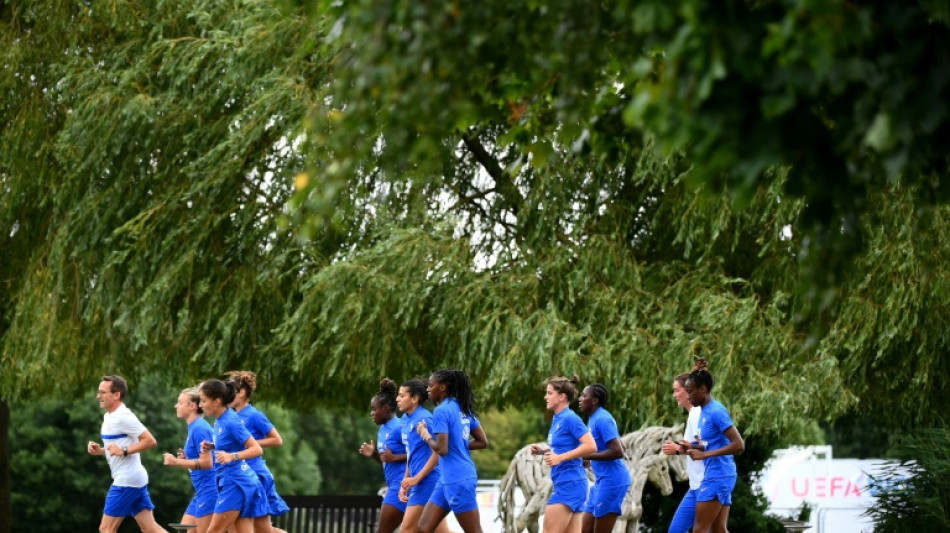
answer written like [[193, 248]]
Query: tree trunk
[[6, 511]]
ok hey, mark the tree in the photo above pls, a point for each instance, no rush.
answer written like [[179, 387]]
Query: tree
[[820, 89], [144, 155], [527, 219]]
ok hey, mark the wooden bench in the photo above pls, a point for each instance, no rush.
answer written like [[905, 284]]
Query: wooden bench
[[330, 514]]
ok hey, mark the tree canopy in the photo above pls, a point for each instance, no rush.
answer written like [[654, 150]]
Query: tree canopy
[[158, 218], [850, 98], [332, 196]]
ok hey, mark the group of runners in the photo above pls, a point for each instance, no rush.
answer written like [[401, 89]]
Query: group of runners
[[429, 471], [234, 489], [425, 455]]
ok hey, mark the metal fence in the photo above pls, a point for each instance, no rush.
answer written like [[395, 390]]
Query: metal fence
[[330, 514]]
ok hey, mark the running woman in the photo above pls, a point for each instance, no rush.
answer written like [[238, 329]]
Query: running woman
[[266, 435], [241, 506], [715, 444], [124, 437], [422, 471], [685, 514], [388, 451], [198, 464], [568, 441], [453, 423], [610, 472]]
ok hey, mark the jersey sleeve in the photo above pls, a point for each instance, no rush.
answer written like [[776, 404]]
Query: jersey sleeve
[[260, 425], [130, 424], [722, 421], [440, 420], [240, 433], [606, 428], [577, 428], [474, 423], [394, 440]]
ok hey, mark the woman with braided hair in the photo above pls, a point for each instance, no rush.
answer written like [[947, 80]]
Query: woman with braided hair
[[453, 423], [569, 441], [388, 451], [715, 444], [612, 477], [266, 435], [422, 471]]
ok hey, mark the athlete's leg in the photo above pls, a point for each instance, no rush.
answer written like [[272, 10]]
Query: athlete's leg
[[706, 513], [587, 522], [410, 520], [202, 522], [389, 519], [685, 515], [432, 514], [220, 522], [146, 521], [110, 524], [605, 524], [470, 521], [722, 520], [557, 518]]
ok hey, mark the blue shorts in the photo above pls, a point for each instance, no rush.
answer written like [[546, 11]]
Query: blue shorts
[[719, 488], [419, 494], [206, 494], [572, 493], [246, 498], [685, 514], [276, 505], [392, 497], [127, 501], [606, 500], [457, 497]]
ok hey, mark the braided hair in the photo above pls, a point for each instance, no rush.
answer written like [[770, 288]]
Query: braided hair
[[700, 375], [387, 394], [599, 391], [565, 386], [417, 387], [458, 386]]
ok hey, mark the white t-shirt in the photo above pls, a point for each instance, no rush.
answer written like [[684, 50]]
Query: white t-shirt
[[122, 428], [694, 469]]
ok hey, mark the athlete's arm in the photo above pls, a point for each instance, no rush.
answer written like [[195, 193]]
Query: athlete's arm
[[479, 439], [387, 456], [586, 447], [429, 466], [736, 446], [251, 450], [271, 440], [614, 451], [146, 442]]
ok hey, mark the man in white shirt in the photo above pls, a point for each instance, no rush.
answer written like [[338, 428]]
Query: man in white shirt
[[123, 438]]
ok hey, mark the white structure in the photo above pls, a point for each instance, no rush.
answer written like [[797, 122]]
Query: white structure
[[838, 490]]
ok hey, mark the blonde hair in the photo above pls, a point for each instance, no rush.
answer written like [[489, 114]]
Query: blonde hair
[[193, 397]]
